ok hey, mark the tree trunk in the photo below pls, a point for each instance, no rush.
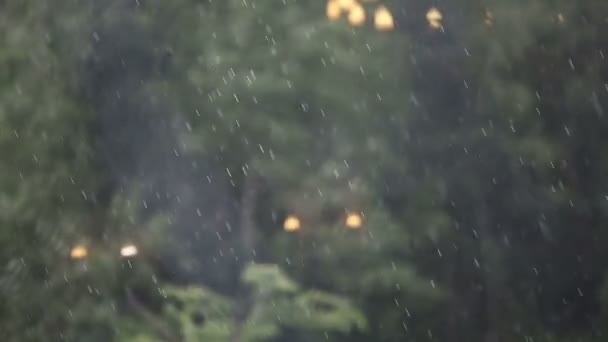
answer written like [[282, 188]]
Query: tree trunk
[[490, 300], [247, 234]]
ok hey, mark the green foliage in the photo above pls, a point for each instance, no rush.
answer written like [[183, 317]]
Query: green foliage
[[200, 313], [320, 311], [474, 154], [197, 313], [268, 280]]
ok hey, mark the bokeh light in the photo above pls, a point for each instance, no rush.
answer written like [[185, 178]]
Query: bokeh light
[[128, 250], [79, 252], [383, 19], [354, 220], [356, 15], [292, 223], [434, 17]]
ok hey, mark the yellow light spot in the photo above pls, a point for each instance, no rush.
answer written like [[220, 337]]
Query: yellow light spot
[[434, 17], [334, 11], [128, 250], [347, 4], [354, 221], [291, 224], [560, 18], [356, 15], [383, 19], [79, 252]]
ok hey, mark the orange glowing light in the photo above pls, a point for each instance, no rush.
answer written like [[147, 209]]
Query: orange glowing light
[[79, 252], [434, 17], [334, 11], [356, 15], [383, 19], [347, 4], [354, 221], [291, 224], [434, 14]]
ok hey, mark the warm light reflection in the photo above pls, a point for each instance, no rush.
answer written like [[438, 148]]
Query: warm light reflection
[[347, 4], [354, 221], [356, 15], [434, 17], [383, 19], [128, 251], [291, 224], [79, 252], [334, 11]]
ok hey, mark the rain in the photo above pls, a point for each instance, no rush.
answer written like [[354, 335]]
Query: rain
[[331, 170]]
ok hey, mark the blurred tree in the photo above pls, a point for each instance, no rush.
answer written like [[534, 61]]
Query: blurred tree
[[277, 303], [308, 119], [468, 152], [500, 143]]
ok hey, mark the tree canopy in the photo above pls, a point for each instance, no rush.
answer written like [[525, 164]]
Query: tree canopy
[[340, 170]]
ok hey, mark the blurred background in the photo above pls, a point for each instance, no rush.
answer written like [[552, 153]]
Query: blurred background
[[291, 170]]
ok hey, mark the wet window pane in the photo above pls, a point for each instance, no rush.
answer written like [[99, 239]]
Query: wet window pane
[[330, 170]]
